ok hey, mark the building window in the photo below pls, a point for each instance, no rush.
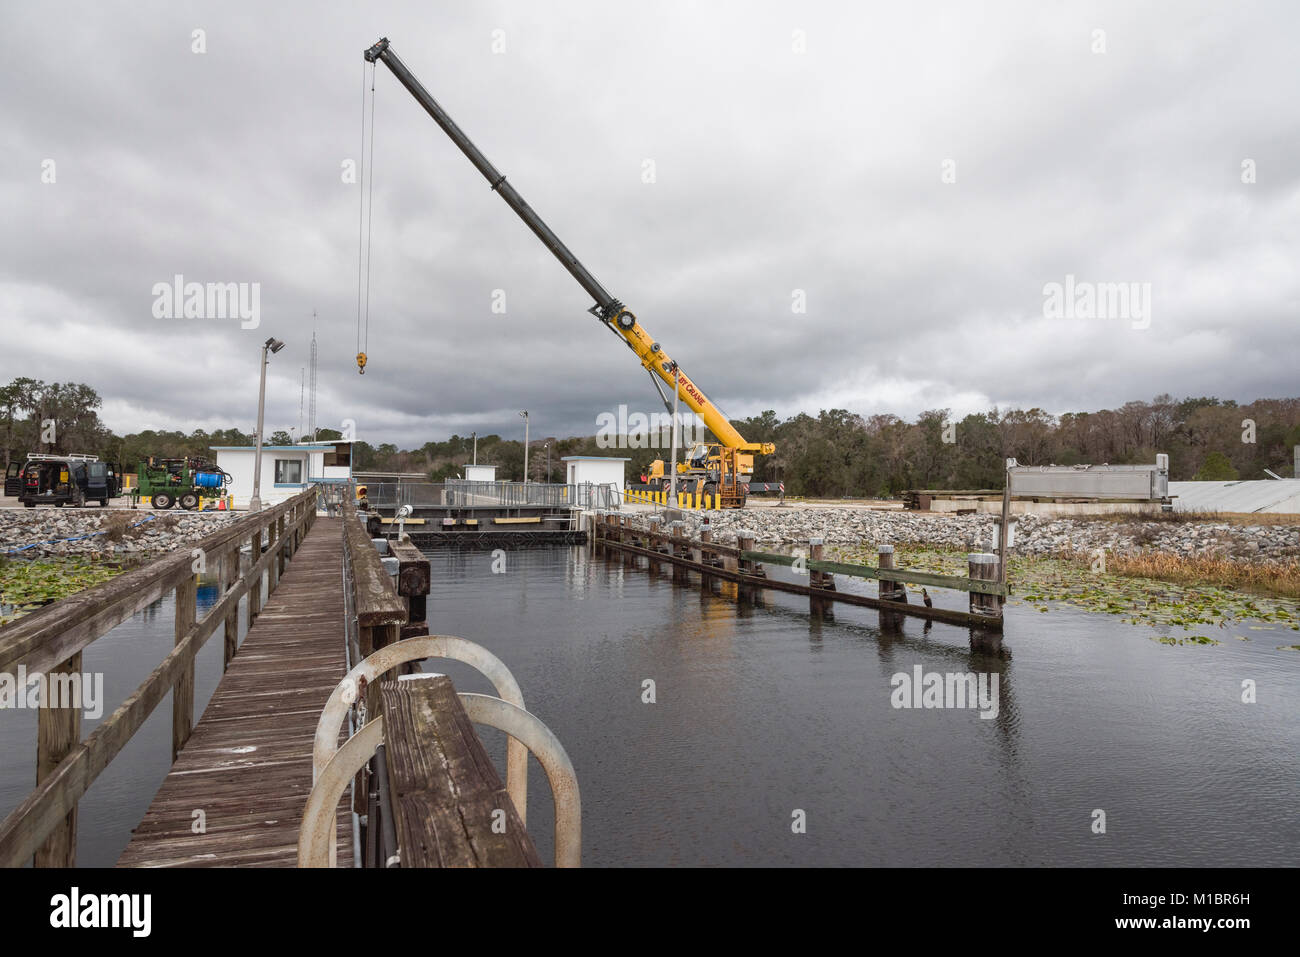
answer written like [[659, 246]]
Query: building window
[[288, 471]]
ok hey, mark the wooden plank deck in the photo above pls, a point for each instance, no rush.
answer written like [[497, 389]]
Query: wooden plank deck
[[449, 805], [247, 765]]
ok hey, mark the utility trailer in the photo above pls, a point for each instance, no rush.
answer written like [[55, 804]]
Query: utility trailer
[[168, 482]]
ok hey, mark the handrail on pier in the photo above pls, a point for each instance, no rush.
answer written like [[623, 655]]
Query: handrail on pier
[[334, 767], [43, 827]]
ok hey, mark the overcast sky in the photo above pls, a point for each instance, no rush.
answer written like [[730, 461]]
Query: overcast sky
[[795, 146]]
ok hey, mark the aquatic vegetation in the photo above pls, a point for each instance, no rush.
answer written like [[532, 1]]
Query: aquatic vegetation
[[1279, 579], [27, 585], [1040, 582]]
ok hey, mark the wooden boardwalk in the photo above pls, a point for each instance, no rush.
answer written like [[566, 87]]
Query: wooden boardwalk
[[247, 765]]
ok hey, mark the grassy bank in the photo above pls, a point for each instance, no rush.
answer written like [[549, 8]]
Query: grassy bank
[[1268, 578], [1196, 518]]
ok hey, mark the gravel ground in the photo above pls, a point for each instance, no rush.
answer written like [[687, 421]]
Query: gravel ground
[[1034, 535], [46, 530]]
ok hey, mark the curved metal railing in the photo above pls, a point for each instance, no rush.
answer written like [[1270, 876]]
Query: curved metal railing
[[334, 767]]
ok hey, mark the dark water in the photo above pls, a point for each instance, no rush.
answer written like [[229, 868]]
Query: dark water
[[764, 710], [120, 796]]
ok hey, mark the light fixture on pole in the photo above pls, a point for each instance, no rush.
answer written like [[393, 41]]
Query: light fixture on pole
[[548, 463], [271, 345], [524, 413], [475, 435]]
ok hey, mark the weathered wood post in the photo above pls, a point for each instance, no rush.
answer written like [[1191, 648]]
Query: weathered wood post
[[745, 541], [653, 542], [680, 573], [255, 579], [183, 692], [823, 581], [273, 567], [281, 556], [58, 731], [889, 590], [984, 566], [626, 534], [230, 575], [413, 582]]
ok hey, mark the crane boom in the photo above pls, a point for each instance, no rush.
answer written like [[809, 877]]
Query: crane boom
[[607, 309]]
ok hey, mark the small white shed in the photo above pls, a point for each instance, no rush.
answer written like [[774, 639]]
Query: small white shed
[[596, 469], [286, 469]]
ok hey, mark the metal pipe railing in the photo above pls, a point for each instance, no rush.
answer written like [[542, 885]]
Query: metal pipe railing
[[415, 649], [334, 766]]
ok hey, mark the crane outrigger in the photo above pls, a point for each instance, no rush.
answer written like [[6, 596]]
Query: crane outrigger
[[721, 470]]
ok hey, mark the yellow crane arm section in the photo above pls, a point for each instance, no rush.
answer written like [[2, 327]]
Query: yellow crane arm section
[[654, 358]]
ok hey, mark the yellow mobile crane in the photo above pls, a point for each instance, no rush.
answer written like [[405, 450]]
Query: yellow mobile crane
[[722, 469]]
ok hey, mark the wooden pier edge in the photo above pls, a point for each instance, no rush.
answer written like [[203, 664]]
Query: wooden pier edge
[[610, 534]]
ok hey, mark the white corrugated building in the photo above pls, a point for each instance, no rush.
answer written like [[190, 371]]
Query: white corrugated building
[[1255, 495]]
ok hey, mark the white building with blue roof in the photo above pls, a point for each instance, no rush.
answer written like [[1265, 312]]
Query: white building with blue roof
[[286, 469]]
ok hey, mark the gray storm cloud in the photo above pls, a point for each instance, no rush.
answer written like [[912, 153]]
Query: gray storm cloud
[[794, 146]]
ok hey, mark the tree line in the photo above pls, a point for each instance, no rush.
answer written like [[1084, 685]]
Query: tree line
[[835, 453], [840, 453]]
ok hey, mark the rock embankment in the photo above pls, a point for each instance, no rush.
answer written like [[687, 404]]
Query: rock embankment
[[102, 534], [1033, 535]]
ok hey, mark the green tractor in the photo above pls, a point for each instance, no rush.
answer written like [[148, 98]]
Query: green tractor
[[167, 482]]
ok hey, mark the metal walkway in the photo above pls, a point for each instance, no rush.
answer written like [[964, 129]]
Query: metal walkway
[[247, 767]]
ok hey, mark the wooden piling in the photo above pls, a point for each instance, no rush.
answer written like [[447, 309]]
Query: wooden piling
[[983, 566], [624, 534], [889, 590], [679, 549], [273, 569], [653, 523], [280, 546], [413, 584], [230, 575], [255, 586], [58, 731], [183, 692], [745, 540], [822, 581]]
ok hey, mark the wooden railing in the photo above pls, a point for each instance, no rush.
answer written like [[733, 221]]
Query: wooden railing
[[380, 612], [743, 565], [50, 642]]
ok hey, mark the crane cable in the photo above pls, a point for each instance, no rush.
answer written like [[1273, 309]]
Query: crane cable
[[365, 219]]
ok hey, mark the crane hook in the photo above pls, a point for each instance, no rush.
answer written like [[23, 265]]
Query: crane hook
[[361, 363]]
